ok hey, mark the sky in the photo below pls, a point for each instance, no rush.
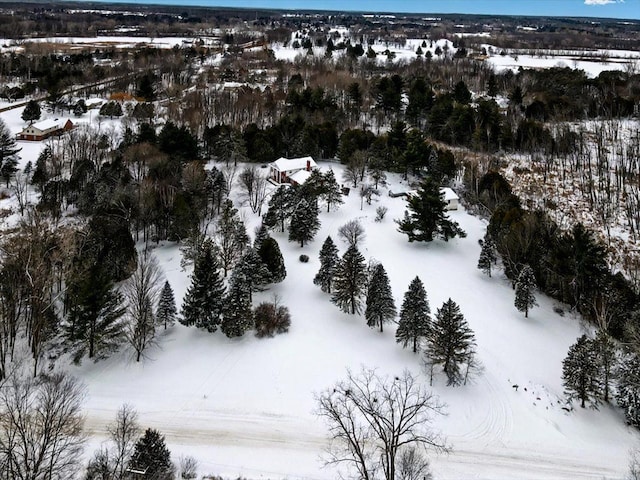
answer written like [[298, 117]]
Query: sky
[[626, 9]]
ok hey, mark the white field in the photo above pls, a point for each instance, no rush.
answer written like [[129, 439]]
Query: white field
[[245, 407]]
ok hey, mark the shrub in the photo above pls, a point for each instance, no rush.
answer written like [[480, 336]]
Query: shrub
[[270, 319], [304, 258], [380, 213]]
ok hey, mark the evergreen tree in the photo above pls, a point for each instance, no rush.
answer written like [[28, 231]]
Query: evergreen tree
[[146, 87], [415, 316], [525, 286], [332, 193], [151, 455], [461, 93], [237, 315], [487, 255], [451, 343], [328, 263], [607, 359], [304, 222], [349, 281], [41, 173], [8, 153], [492, 86], [95, 327], [80, 108], [380, 305], [281, 206], [31, 111], [628, 392], [167, 312], [262, 233], [203, 302], [581, 373], [269, 253], [255, 273], [428, 219]]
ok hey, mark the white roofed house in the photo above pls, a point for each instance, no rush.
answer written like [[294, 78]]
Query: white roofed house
[[45, 129], [292, 171], [450, 197]]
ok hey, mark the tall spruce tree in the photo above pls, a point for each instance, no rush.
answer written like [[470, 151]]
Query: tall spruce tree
[[281, 206], [231, 236], [525, 290], [95, 326], [331, 193], [628, 391], [451, 343], [349, 281], [581, 373], [304, 222], [328, 263], [151, 455], [427, 219], [203, 302], [380, 305], [415, 316], [8, 153], [255, 273], [237, 315], [487, 255], [271, 256], [31, 111], [262, 233], [166, 312]]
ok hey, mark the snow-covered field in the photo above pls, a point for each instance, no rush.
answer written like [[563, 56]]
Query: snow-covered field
[[245, 407]]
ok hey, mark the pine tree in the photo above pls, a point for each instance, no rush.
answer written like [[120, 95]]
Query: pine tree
[[492, 86], [451, 343], [607, 360], [167, 312], [271, 257], [415, 316], [95, 327], [328, 263], [41, 173], [525, 287], [203, 302], [581, 373], [380, 305], [281, 206], [427, 218], [31, 111], [255, 273], [332, 193], [304, 223], [349, 281], [237, 315], [151, 455], [262, 233], [628, 392], [487, 255], [8, 153]]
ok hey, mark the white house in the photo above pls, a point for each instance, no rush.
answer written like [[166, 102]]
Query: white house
[[291, 170], [450, 197]]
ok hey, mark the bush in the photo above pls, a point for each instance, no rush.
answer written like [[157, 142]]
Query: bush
[[304, 258], [270, 319], [380, 213]]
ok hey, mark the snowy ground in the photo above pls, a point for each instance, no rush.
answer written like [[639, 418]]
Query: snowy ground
[[245, 407]]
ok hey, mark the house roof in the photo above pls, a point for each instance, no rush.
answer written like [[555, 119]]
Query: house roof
[[300, 176], [48, 124], [449, 194], [286, 164]]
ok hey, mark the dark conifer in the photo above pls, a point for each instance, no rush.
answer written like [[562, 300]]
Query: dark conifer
[[271, 256], [281, 205], [525, 290], [451, 343], [167, 312], [487, 255], [349, 281], [415, 319], [152, 456], [253, 271], [628, 392], [31, 111], [203, 302], [304, 223], [238, 316], [328, 262], [381, 307], [581, 373], [332, 193]]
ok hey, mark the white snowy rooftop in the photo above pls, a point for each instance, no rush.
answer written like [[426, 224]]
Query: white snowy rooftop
[[449, 194], [287, 164], [48, 124]]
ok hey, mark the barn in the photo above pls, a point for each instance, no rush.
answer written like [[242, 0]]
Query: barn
[[44, 129]]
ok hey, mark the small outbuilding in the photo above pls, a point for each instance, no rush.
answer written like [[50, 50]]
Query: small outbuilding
[[450, 197], [44, 129], [291, 171]]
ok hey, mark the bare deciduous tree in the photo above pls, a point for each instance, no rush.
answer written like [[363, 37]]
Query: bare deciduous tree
[[372, 419], [141, 292], [254, 186], [41, 427], [352, 232], [124, 434]]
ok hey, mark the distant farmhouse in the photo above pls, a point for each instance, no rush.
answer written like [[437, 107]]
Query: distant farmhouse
[[45, 129], [292, 171]]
